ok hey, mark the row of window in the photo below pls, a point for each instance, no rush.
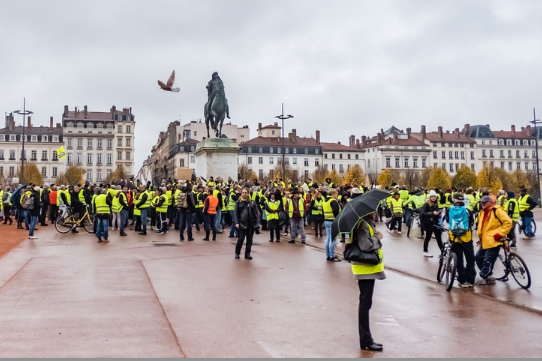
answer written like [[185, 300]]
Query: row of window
[[348, 156], [452, 145], [451, 154], [278, 150], [89, 126], [99, 157], [29, 138], [518, 153], [286, 161], [11, 172], [192, 160], [516, 142], [33, 155], [406, 162], [99, 143]]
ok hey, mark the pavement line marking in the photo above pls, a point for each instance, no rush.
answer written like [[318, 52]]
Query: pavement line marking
[[163, 311], [16, 273]]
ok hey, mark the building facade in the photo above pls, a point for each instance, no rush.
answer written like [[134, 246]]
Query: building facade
[[41, 145], [198, 131], [99, 142]]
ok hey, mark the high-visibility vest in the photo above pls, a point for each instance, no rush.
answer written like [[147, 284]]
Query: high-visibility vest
[[328, 210], [154, 201], [100, 204], [213, 203], [1, 202], [396, 205], [416, 202], [177, 192], [81, 196], [301, 208], [211, 184], [169, 196], [448, 204], [163, 207], [440, 205], [501, 200], [472, 202], [317, 203], [274, 206], [116, 204], [137, 211], [199, 202], [403, 194], [231, 202], [523, 205], [362, 269], [149, 200], [515, 213]]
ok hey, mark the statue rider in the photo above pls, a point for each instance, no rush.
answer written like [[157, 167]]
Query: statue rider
[[214, 87]]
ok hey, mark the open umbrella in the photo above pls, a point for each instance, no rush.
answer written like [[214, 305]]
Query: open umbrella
[[355, 209]]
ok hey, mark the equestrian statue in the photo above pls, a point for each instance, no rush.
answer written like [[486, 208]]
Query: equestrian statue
[[216, 108]]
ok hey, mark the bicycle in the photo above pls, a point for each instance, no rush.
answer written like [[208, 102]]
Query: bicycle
[[447, 267], [414, 217], [521, 226], [64, 225], [511, 263]]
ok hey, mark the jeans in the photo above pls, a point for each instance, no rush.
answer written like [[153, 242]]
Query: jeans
[[527, 224], [298, 228], [233, 230], [33, 222], [244, 233], [366, 288], [123, 220], [115, 222], [210, 221], [330, 243], [512, 233], [485, 259], [26, 217], [218, 219], [102, 229], [144, 219], [468, 274], [186, 223]]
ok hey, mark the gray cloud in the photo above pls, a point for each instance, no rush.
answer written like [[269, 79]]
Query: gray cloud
[[344, 67]]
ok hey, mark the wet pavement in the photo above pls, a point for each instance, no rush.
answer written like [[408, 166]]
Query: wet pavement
[[67, 296]]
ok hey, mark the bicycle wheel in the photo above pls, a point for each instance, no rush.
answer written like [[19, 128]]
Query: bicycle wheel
[[500, 271], [519, 271], [451, 268], [62, 226], [88, 224], [441, 268], [533, 226]]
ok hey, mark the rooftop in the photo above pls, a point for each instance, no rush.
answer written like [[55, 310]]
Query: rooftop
[[446, 137], [41, 130], [277, 141], [337, 147]]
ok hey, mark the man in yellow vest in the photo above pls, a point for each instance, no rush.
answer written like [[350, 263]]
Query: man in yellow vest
[[232, 198], [161, 204], [101, 208], [124, 210], [143, 205], [331, 209], [396, 206], [526, 206], [5, 200], [272, 208], [296, 212], [511, 206]]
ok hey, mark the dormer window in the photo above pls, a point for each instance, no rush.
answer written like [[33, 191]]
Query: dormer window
[[525, 142], [517, 142], [501, 142], [508, 142], [34, 138]]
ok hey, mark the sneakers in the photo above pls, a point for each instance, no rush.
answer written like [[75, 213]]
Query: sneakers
[[464, 285], [291, 241], [32, 237], [334, 259], [106, 241], [490, 280], [480, 281], [427, 254], [513, 246], [399, 232]]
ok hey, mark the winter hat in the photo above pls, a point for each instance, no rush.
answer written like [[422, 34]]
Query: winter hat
[[356, 191], [37, 189], [485, 199], [432, 193], [458, 197]]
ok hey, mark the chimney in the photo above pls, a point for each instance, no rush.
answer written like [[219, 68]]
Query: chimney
[[379, 138], [259, 126], [440, 134], [513, 130], [130, 110], [65, 111], [467, 130], [339, 143], [409, 132], [29, 122], [58, 125], [523, 129], [51, 123], [113, 111], [358, 145], [294, 136], [317, 137], [424, 133], [528, 130], [395, 137], [352, 141], [76, 111], [363, 139], [86, 111], [456, 131]]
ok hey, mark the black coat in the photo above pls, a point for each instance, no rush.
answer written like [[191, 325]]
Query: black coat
[[426, 214], [246, 214], [35, 212]]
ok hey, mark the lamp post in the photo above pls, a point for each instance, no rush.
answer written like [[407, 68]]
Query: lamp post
[[24, 113], [283, 117], [535, 122]]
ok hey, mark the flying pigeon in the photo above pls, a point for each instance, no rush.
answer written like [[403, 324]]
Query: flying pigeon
[[168, 86]]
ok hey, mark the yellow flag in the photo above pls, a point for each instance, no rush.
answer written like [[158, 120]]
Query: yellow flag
[[61, 153]]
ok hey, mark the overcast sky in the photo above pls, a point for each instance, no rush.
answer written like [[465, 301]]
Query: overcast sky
[[344, 67]]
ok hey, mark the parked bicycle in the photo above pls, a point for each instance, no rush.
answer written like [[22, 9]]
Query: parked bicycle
[[521, 226], [66, 224], [511, 263], [447, 265]]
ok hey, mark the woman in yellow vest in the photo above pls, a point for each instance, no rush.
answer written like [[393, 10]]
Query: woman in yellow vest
[[137, 212], [272, 208], [316, 208], [366, 275], [115, 223]]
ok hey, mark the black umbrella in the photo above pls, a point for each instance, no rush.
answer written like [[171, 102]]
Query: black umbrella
[[355, 209]]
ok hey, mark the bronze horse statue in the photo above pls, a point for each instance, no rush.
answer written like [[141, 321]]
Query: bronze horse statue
[[216, 108]]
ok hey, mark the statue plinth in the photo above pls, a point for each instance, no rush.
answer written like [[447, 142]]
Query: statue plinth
[[217, 157]]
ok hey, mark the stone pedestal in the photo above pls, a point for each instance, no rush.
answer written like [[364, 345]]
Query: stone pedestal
[[217, 157]]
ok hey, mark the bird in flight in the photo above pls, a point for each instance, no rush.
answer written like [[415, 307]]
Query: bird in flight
[[168, 86]]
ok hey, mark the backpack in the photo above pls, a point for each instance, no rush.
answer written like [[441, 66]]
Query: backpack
[[459, 220], [182, 201], [27, 202]]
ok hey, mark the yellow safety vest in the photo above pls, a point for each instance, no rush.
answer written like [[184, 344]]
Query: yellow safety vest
[[100, 204], [231, 203], [169, 195], [148, 202], [274, 206], [137, 211], [163, 207], [116, 204], [199, 202], [177, 192], [515, 214], [396, 205], [317, 203], [81, 196], [328, 210], [523, 205], [363, 269], [301, 208], [472, 202]]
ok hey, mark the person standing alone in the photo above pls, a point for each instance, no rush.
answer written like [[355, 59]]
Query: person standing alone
[[246, 219]]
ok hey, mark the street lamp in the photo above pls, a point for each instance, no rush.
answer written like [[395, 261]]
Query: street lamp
[[283, 117], [535, 122], [24, 113]]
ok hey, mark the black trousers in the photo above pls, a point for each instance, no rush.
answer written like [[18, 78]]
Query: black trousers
[[319, 228], [241, 235], [274, 229], [366, 288], [53, 214], [43, 214], [429, 231], [396, 221]]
